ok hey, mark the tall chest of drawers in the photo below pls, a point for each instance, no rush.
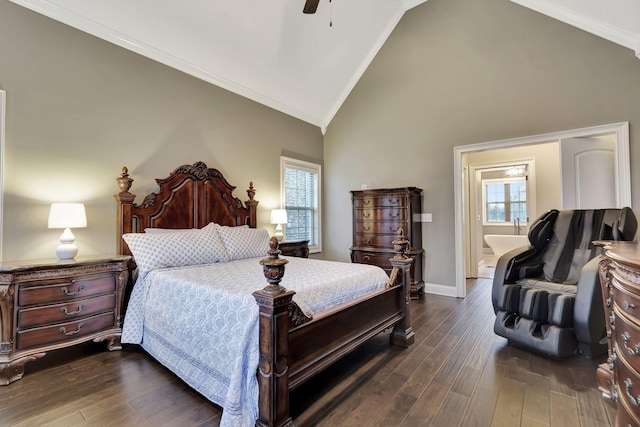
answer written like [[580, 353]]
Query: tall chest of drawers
[[377, 215], [619, 377], [47, 305]]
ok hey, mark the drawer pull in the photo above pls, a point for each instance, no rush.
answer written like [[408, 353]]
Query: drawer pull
[[366, 214], [72, 313], [64, 330], [635, 401], [394, 229], [394, 215], [612, 318], [632, 351], [608, 302], [367, 241], [72, 294], [366, 201], [366, 257], [366, 227], [394, 202], [628, 306]]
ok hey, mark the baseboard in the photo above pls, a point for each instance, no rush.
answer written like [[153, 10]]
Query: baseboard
[[445, 290]]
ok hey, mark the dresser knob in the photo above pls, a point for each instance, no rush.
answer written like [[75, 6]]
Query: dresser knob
[[71, 313], [71, 294], [366, 227], [64, 330], [367, 241], [394, 201], [394, 215], [632, 351], [366, 201], [366, 257], [628, 306], [366, 214], [627, 388]]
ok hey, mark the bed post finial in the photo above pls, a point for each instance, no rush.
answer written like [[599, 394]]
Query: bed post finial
[[124, 220], [253, 206], [274, 303], [124, 182]]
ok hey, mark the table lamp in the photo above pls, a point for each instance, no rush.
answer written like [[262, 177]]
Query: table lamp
[[67, 216], [279, 217]]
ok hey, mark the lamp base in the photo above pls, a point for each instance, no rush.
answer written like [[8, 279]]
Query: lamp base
[[66, 251], [279, 235]]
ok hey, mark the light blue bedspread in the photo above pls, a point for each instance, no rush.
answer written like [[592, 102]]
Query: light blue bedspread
[[202, 321]]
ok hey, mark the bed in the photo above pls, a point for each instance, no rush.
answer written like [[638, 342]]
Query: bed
[[285, 336]]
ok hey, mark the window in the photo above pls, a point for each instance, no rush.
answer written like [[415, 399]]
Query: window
[[301, 198], [505, 200]]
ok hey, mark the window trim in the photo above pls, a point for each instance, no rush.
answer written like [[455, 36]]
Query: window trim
[[291, 163], [484, 183]]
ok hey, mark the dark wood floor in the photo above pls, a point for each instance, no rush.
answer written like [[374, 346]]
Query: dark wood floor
[[458, 373]]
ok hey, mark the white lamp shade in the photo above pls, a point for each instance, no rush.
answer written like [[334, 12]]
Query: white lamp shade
[[279, 216], [67, 215]]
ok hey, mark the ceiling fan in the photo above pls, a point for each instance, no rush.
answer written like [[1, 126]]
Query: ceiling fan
[[310, 6]]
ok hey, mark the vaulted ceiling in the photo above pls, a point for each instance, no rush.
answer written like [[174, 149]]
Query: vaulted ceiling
[[270, 52]]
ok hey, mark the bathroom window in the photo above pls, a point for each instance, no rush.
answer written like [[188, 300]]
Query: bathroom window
[[504, 201]]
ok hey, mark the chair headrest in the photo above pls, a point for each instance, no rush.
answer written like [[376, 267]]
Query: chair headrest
[[541, 229]]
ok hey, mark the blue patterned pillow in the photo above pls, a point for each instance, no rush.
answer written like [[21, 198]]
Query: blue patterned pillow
[[243, 242], [176, 249]]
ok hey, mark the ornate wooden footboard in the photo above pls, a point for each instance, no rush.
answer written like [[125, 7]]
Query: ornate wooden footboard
[[293, 347]]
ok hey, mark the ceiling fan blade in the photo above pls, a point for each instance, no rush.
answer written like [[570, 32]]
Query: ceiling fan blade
[[310, 6]]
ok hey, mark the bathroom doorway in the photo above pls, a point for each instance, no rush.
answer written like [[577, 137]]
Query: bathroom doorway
[[466, 241], [502, 201]]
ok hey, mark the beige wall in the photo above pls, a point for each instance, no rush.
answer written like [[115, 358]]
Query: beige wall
[[458, 72], [79, 108]]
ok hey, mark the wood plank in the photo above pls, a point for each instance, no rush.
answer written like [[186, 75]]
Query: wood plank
[[508, 411]]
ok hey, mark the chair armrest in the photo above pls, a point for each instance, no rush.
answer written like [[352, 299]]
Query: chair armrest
[[588, 314], [507, 269]]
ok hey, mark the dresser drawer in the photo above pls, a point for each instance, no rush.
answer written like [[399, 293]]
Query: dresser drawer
[[628, 381], [46, 292], [381, 260], [627, 337], [373, 240], [381, 227], [28, 318], [382, 214], [64, 331], [376, 202]]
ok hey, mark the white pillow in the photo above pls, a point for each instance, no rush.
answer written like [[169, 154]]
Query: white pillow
[[176, 249], [243, 242]]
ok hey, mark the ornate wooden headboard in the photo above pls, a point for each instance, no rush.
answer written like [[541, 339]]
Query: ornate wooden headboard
[[192, 196]]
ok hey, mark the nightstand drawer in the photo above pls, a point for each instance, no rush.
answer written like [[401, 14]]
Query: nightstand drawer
[[28, 318], [46, 292], [63, 331]]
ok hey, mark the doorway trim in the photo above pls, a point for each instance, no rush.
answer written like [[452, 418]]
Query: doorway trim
[[622, 167]]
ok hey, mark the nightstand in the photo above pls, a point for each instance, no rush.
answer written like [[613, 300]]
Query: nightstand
[[297, 248], [50, 304]]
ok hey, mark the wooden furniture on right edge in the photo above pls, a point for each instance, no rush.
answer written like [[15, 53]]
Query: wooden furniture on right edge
[[620, 376], [377, 215]]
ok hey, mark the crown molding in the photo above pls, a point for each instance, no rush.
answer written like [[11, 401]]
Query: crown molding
[[594, 26]]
